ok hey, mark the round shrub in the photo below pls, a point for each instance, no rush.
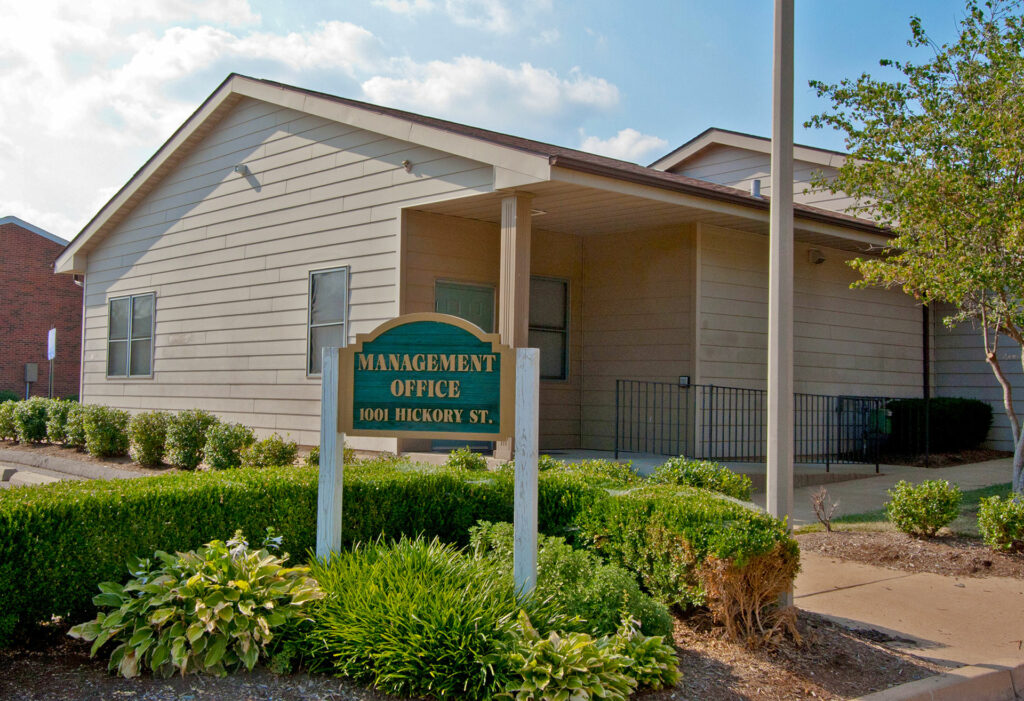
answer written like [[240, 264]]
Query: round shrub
[[7, 395], [106, 431], [30, 420], [8, 429], [74, 426], [186, 437], [271, 452], [705, 475], [466, 459], [225, 443], [1001, 522], [57, 420], [312, 459], [923, 509], [147, 435]]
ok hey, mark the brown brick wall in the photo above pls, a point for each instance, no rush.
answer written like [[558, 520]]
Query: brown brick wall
[[32, 301]]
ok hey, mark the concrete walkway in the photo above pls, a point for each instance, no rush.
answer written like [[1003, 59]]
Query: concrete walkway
[[20, 467], [870, 493], [952, 620]]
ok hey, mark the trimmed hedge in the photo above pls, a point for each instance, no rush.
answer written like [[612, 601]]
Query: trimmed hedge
[[58, 541], [954, 424]]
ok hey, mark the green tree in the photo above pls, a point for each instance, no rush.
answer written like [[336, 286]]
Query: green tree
[[937, 157]]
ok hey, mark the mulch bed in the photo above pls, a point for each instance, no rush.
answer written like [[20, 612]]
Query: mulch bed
[[963, 457], [944, 554], [831, 663], [59, 451]]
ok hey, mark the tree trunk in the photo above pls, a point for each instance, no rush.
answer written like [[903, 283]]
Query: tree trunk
[[1018, 445]]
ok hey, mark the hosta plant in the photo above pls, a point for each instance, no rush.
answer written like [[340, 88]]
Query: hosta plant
[[567, 666], [210, 610], [653, 662]]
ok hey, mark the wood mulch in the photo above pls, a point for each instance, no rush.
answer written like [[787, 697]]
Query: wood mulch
[[831, 662], [963, 457], [945, 554]]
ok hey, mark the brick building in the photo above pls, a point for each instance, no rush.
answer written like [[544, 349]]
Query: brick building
[[32, 301]]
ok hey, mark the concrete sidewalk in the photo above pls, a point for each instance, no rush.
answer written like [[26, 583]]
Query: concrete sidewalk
[[19, 467], [869, 493], [952, 620]]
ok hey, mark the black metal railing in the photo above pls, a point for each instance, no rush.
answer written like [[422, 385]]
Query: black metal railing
[[730, 424]]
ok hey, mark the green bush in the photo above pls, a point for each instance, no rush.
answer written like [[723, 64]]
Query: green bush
[[567, 666], [270, 452], [147, 436], [213, 610], [225, 443], [186, 436], [30, 420], [667, 535], [577, 582], [954, 424], [606, 473], [653, 662], [416, 618], [1001, 522], [8, 427], [465, 459], [7, 395], [74, 427], [312, 459], [923, 509], [57, 420], [704, 474], [106, 431]]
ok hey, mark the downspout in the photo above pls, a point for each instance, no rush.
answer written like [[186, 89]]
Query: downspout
[[81, 348], [926, 379]]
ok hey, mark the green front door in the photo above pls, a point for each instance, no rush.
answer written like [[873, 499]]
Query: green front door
[[474, 303]]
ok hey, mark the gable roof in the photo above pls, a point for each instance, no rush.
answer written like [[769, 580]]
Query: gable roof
[[750, 142], [521, 160], [33, 228]]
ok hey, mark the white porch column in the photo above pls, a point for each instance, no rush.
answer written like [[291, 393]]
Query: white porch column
[[514, 282], [780, 274]]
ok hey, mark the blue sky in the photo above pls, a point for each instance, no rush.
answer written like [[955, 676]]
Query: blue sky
[[91, 89]]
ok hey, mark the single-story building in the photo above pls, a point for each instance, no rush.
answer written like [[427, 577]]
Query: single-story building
[[278, 220]]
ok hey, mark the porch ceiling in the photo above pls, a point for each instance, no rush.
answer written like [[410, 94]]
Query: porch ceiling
[[586, 211]]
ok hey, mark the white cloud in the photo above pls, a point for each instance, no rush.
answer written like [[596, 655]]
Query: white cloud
[[627, 145], [91, 89], [548, 36], [485, 92], [405, 7], [490, 15]]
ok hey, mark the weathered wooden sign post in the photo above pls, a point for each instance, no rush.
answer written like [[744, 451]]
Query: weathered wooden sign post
[[431, 376]]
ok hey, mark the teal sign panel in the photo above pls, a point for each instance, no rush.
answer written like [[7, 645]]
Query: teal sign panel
[[428, 376]]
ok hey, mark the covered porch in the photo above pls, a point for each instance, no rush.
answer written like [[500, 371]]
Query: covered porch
[[619, 278]]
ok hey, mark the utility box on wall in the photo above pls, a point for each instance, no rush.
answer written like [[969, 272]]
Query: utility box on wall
[[31, 372]]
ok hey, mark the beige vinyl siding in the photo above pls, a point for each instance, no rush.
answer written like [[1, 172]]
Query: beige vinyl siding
[[961, 371], [737, 167], [228, 257], [439, 247], [637, 318], [856, 342]]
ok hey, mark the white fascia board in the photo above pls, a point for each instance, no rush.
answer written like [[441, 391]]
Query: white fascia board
[[696, 202], [715, 137], [64, 262], [534, 165]]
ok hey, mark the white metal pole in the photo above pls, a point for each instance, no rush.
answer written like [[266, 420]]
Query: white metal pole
[[332, 445], [524, 567], [780, 275]]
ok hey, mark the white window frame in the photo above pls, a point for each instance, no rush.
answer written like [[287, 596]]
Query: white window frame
[[128, 340], [565, 331], [309, 312]]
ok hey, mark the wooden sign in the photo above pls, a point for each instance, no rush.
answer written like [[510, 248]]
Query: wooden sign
[[427, 376]]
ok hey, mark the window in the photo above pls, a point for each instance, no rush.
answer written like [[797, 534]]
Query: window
[[328, 312], [130, 336], [549, 326]]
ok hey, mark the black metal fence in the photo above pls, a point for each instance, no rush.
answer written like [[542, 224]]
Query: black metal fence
[[730, 424]]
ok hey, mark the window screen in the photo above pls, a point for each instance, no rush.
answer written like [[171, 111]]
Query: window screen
[[328, 312], [549, 326], [130, 336]]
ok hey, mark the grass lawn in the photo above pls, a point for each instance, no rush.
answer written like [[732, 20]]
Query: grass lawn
[[966, 524]]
